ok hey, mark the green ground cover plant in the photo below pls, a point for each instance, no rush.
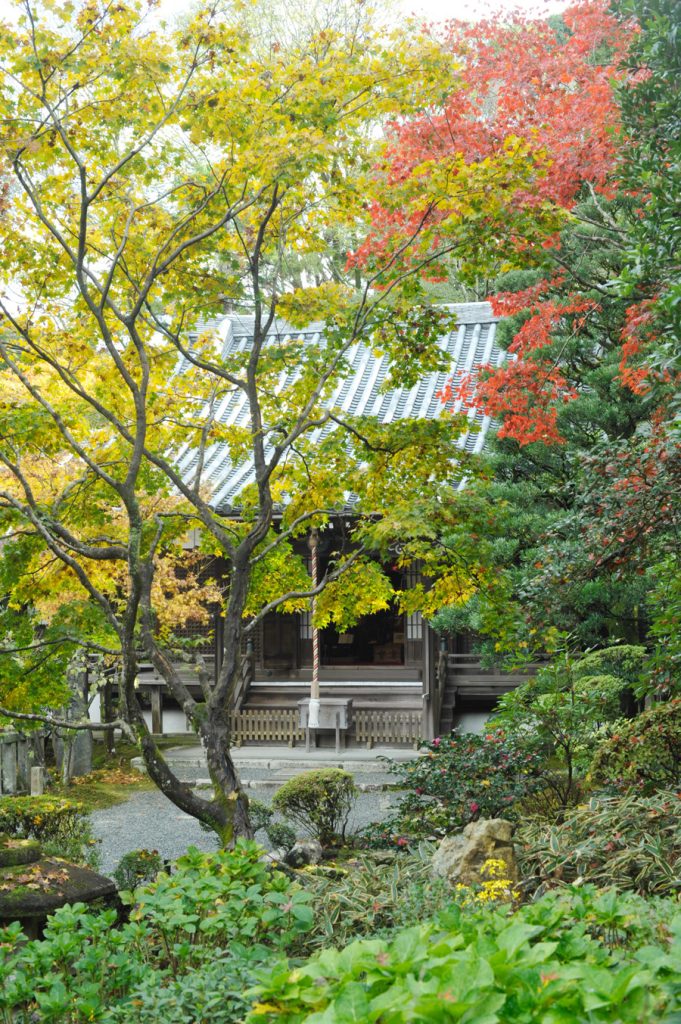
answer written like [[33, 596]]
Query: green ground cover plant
[[367, 896], [191, 946], [579, 956]]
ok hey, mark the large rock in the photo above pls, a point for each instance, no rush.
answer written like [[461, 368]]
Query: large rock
[[460, 858], [304, 852]]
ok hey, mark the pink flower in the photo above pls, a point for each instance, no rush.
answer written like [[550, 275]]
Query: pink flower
[[402, 841], [436, 742], [473, 807]]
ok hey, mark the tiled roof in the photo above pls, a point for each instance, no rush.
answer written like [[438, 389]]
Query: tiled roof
[[471, 344]]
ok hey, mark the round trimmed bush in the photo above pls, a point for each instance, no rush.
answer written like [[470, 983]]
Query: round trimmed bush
[[319, 801]]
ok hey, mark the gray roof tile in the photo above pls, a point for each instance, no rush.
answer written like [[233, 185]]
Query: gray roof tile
[[469, 345]]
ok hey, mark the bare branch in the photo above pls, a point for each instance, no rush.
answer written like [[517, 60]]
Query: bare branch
[[60, 723]]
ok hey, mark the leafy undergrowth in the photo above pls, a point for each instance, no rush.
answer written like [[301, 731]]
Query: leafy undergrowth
[[632, 841], [581, 956], [192, 945]]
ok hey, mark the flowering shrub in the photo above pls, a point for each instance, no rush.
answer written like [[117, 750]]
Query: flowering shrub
[[457, 779], [62, 827], [644, 752]]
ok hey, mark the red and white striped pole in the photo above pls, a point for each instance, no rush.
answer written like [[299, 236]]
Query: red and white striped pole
[[313, 710]]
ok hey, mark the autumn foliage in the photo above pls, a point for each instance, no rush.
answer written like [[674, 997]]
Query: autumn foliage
[[549, 85]]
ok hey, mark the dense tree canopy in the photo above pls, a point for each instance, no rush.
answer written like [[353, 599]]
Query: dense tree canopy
[[156, 174]]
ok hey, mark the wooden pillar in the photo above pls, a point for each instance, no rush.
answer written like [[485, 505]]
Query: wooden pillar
[[156, 710]]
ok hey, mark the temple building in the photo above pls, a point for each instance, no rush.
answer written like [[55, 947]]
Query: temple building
[[400, 680]]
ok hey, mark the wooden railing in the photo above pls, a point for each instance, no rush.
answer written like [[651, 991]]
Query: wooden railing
[[388, 727], [280, 725], [269, 725]]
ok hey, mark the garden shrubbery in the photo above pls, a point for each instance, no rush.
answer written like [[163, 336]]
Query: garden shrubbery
[[62, 827], [632, 842], [192, 945], [319, 801], [642, 752], [459, 779], [137, 867]]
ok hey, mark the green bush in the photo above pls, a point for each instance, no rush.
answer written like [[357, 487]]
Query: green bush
[[260, 814], [456, 780], [136, 867], [319, 801], [281, 835], [192, 944], [644, 752], [632, 842], [561, 713], [577, 957], [62, 827]]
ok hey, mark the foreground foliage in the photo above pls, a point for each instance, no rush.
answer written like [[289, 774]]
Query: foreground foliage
[[579, 956], [192, 943]]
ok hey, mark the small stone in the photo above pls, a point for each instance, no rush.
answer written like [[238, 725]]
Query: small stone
[[304, 852]]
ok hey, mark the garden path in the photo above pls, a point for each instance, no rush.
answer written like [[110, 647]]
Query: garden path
[[148, 820]]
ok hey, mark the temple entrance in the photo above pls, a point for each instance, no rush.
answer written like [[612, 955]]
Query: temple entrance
[[386, 641], [376, 639]]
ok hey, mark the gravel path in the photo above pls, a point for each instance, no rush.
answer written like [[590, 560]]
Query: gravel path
[[148, 820]]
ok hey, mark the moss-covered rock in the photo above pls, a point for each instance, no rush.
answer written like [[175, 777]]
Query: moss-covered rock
[[30, 891], [15, 852]]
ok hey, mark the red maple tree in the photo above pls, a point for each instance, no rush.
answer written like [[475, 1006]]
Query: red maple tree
[[552, 84]]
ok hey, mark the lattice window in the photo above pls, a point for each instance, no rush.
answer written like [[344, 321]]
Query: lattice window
[[415, 626]]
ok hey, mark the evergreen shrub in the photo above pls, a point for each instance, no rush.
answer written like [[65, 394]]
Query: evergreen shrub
[[319, 801], [644, 752], [456, 780]]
